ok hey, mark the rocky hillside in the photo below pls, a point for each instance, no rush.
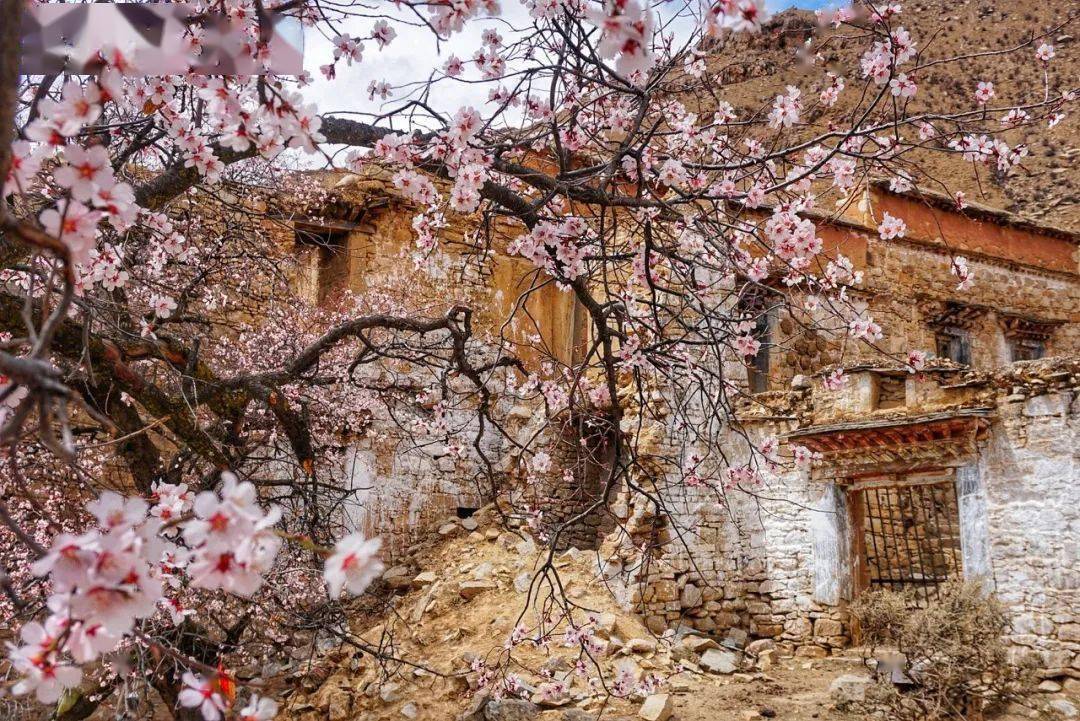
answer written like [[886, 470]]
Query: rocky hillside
[[749, 70]]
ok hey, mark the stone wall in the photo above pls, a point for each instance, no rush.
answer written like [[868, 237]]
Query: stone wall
[[733, 559], [1031, 473], [910, 284], [778, 561]]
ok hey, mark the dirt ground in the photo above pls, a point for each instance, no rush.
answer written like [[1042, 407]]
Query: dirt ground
[[792, 690]]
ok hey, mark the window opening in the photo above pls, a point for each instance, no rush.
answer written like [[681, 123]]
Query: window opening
[[754, 306], [1026, 338], [330, 270], [954, 344]]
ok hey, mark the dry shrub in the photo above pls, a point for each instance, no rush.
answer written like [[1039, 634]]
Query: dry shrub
[[953, 651]]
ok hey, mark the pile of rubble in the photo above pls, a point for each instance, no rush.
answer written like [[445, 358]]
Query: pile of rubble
[[445, 644]]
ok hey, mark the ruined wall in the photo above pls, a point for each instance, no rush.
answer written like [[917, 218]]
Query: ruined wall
[[406, 480], [775, 559]]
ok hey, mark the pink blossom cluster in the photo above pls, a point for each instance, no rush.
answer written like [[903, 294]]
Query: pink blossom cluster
[[110, 577], [626, 29], [559, 248]]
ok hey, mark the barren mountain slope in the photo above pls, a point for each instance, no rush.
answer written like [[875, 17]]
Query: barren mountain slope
[[748, 71]]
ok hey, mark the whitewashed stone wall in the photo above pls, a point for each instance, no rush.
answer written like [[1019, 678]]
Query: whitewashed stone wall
[[1031, 472], [777, 563]]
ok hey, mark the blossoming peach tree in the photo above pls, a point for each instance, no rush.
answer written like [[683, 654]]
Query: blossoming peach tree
[[169, 404]]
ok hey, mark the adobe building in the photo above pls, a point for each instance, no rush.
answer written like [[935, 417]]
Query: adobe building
[[968, 468]]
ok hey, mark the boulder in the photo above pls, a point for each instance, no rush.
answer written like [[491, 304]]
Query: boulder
[[510, 709], [469, 524], [849, 688], [718, 660], [657, 707], [447, 529], [409, 710]]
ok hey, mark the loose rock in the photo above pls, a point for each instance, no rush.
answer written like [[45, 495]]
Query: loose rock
[[576, 714], [510, 709], [756, 647], [424, 579], [657, 707], [397, 577], [1064, 707], [717, 660], [849, 688], [471, 589], [640, 645]]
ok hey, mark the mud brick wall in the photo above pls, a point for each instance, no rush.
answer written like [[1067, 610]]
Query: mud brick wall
[[404, 488]]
